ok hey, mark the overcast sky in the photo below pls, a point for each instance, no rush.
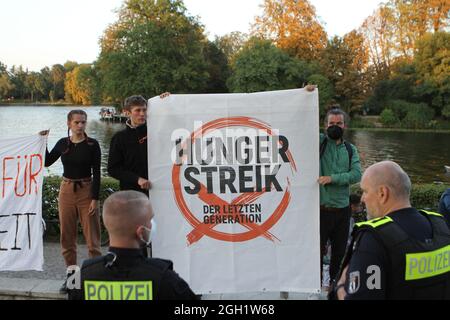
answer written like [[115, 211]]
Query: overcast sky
[[39, 33]]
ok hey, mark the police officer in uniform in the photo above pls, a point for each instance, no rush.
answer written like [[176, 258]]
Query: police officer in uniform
[[124, 273], [400, 254]]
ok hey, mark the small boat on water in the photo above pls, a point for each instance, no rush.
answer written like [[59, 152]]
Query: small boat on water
[[111, 115], [107, 113]]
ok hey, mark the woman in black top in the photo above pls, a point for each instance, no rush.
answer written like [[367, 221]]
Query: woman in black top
[[80, 187]]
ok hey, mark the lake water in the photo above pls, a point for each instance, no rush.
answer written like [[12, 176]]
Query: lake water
[[422, 155]]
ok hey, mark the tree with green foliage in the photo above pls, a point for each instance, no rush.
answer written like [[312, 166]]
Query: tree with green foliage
[[218, 69], [58, 76], [18, 78], [31, 85], [342, 65], [261, 66], [432, 63], [326, 92], [70, 65], [400, 108], [418, 117], [399, 86], [6, 86], [422, 80], [230, 44], [155, 46], [44, 83]]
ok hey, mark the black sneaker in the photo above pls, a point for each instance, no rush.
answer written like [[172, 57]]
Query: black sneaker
[[63, 289]]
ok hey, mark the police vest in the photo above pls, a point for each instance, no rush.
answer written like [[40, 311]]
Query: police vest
[[416, 270], [103, 280]]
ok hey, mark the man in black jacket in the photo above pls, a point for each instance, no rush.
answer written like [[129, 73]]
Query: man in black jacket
[[124, 273], [128, 151]]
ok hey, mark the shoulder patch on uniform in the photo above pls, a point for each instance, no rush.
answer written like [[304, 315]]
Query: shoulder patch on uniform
[[354, 282], [430, 213], [375, 223]]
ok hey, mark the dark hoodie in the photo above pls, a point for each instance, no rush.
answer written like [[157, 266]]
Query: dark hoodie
[[128, 157]]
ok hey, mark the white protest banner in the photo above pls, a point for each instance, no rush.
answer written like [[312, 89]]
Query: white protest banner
[[21, 177], [235, 190]]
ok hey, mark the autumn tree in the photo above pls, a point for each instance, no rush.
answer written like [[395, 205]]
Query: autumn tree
[[81, 85], [293, 26], [439, 12], [70, 65], [412, 19], [392, 31], [378, 32], [432, 63], [6, 86]]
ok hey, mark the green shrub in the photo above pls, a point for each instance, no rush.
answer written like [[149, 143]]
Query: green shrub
[[50, 202], [360, 122], [446, 111], [443, 124], [419, 116], [388, 118], [427, 196], [399, 107]]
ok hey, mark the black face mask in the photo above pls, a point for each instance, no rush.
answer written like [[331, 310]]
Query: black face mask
[[335, 132]]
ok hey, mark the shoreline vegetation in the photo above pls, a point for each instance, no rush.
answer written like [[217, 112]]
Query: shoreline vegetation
[[359, 123], [38, 104], [402, 130]]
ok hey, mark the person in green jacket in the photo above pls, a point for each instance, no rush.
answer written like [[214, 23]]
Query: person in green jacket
[[339, 168]]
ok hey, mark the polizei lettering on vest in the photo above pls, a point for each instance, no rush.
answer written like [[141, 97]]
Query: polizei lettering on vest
[[427, 264], [115, 290]]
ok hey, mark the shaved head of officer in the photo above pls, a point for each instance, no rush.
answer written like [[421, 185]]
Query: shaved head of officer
[[386, 188], [127, 216]]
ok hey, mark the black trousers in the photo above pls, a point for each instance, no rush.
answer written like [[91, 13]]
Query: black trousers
[[334, 226]]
